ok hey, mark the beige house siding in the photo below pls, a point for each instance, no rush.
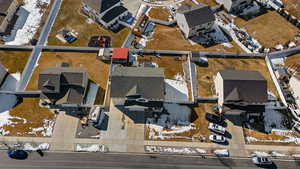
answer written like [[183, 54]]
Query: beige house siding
[[295, 85]]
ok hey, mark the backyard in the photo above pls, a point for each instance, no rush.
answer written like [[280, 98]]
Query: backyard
[[270, 29], [293, 62], [171, 38], [293, 7], [70, 17], [161, 13]]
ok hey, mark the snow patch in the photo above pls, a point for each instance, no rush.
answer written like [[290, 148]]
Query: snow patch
[[90, 148], [33, 147], [175, 150], [276, 154], [24, 35], [259, 153], [222, 152]]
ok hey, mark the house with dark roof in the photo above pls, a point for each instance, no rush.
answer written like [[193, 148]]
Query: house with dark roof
[[235, 6], [194, 20], [241, 88], [138, 86], [7, 11], [106, 12], [63, 85]]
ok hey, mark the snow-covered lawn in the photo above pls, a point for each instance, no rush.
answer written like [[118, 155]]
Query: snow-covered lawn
[[46, 130], [167, 126], [27, 32], [175, 150], [90, 148]]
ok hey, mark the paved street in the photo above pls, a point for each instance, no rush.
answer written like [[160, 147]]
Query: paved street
[[132, 161]]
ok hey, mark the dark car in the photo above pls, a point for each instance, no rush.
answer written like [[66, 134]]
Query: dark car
[[17, 154], [70, 38], [214, 118]]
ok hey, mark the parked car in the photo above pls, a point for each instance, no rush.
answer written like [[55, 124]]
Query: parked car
[[214, 118], [216, 128], [259, 160], [70, 38], [217, 138], [17, 154]]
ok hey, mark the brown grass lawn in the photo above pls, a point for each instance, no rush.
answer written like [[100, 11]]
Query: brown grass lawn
[[30, 110], [97, 70], [171, 38], [293, 62], [14, 61], [172, 67], [293, 6], [70, 16], [269, 29], [161, 13], [201, 126], [266, 136], [205, 75], [207, 2]]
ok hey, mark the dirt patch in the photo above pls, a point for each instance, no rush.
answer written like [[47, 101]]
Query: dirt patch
[[269, 29], [205, 75], [293, 62], [70, 16]]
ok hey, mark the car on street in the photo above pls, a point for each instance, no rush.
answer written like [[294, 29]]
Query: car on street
[[216, 128], [17, 154], [214, 118], [217, 138], [260, 160]]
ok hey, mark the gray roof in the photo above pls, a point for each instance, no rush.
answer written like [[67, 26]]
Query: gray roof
[[3, 73], [244, 86], [146, 81], [197, 14], [4, 5], [100, 5], [231, 74], [63, 84], [113, 13]]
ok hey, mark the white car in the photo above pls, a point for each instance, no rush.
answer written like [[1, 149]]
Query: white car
[[259, 160], [217, 138], [216, 128]]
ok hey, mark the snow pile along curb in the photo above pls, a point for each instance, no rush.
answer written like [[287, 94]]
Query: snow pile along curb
[[90, 148]]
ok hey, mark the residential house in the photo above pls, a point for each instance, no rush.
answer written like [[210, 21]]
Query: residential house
[[295, 85], [63, 86], [194, 20], [106, 12], [241, 89], [7, 11], [138, 86], [235, 6]]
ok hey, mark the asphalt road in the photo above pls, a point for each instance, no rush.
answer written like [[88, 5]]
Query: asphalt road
[[126, 161], [38, 49]]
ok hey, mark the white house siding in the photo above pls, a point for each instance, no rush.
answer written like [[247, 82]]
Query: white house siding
[[219, 86], [295, 85], [181, 22]]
